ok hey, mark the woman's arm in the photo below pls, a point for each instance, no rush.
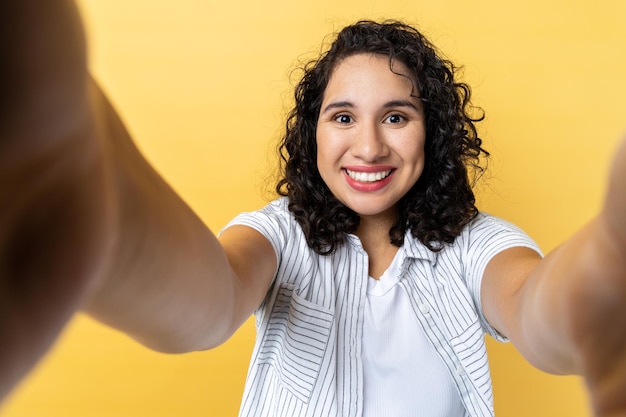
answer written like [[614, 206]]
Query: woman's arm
[[567, 312], [170, 283]]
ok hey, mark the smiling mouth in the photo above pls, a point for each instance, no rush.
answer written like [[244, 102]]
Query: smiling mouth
[[368, 176]]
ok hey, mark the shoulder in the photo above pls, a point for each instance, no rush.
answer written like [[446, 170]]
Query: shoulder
[[488, 230], [274, 221], [276, 213], [484, 238], [486, 221], [484, 234]]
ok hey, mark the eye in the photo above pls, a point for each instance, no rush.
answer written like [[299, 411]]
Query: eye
[[394, 119], [343, 118]]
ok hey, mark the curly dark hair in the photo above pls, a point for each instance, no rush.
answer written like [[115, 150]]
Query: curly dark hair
[[441, 202]]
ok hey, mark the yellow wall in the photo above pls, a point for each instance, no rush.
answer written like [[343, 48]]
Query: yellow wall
[[202, 85]]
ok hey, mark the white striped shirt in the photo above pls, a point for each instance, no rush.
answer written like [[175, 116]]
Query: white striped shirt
[[307, 356]]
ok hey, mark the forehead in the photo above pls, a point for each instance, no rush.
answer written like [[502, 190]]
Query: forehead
[[370, 74]]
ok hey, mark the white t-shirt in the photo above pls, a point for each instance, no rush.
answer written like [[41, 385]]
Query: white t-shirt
[[403, 374]]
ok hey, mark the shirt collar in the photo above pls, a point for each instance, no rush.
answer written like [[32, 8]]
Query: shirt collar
[[413, 248], [416, 249]]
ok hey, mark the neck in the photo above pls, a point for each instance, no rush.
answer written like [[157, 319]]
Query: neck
[[374, 236]]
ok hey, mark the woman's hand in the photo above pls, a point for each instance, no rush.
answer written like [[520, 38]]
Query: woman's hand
[[56, 206], [600, 320]]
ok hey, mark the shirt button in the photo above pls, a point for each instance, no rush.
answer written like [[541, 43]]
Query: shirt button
[[459, 370], [424, 308]]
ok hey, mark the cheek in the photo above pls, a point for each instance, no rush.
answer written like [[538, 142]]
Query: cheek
[[324, 163], [412, 148], [327, 148], [415, 155], [321, 156], [328, 159]]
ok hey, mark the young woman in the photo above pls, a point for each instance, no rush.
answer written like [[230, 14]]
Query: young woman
[[380, 251], [373, 278]]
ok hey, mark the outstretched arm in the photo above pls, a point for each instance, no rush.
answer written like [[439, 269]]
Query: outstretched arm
[[567, 312], [85, 222], [171, 284]]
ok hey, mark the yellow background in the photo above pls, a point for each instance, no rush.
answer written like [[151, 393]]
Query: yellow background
[[203, 86]]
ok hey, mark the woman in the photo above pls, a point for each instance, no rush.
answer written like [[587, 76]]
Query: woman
[[376, 186], [375, 156]]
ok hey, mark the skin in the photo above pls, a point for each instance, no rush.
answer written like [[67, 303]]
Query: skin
[[86, 223]]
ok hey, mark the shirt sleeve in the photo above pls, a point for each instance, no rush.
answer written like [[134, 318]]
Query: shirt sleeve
[[273, 221], [485, 237]]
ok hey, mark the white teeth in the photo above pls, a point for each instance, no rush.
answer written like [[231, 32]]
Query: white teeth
[[368, 176]]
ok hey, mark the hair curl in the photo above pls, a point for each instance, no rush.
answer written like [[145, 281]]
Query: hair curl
[[441, 202]]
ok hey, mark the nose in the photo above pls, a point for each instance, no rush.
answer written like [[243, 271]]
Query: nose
[[369, 143]]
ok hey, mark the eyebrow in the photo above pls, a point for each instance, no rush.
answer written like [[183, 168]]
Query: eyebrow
[[337, 105], [401, 103], [389, 104]]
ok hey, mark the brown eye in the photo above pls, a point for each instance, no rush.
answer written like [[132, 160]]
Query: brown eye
[[394, 118], [343, 118]]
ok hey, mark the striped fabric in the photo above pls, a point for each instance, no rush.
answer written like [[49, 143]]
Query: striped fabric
[[307, 356]]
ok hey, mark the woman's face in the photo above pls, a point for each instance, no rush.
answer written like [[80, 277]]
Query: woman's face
[[370, 134]]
